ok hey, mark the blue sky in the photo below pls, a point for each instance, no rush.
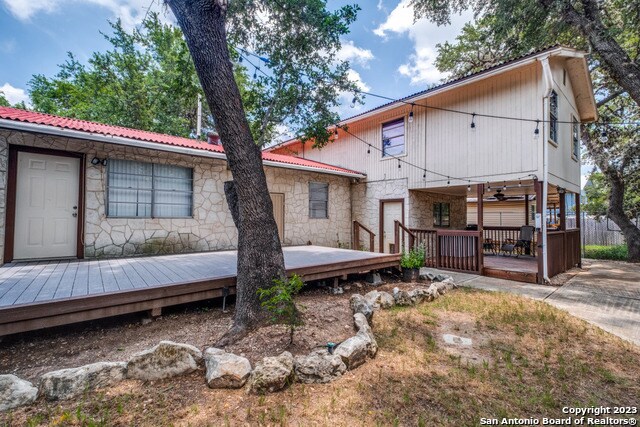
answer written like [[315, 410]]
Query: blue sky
[[389, 54]]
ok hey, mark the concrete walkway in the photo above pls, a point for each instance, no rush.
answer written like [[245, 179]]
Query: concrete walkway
[[606, 294]]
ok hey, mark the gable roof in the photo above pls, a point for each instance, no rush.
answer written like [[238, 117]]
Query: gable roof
[[534, 55], [30, 121]]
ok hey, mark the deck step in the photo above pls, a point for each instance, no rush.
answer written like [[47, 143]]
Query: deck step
[[518, 276]]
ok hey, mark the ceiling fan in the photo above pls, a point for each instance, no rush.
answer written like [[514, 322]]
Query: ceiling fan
[[499, 196]]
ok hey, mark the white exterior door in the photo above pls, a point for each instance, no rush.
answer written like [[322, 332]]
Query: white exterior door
[[391, 212], [46, 224]]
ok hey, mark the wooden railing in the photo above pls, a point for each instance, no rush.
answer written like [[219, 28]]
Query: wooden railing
[[428, 240], [458, 250], [563, 251], [496, 236], [357, 226], [403, 238]]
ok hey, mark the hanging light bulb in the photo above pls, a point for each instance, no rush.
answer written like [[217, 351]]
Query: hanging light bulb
[[469, 187], [411, 114], [473, 121], [536, 132], [504, 186], [603, 136], [488, 186], [353, 102], [448, 181], [520, 184], [424, 175], [255, 73], [399, 164], [335, 133], [369, 149]]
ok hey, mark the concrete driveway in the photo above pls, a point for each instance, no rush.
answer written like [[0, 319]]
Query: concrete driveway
[[606, 293]]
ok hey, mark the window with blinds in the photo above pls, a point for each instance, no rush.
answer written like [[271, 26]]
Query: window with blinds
[[148, 190], [318, 200], [553, 116], [441, 214], [393, 138]]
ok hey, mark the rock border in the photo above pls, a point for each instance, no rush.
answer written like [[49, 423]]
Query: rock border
[[226, 370]]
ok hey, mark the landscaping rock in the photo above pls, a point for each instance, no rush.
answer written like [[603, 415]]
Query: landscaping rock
[[386, 300], [442, 287], [337, 291], [401, 298], [272, 374], [165, 360], [319, 367], [359, 304], [379, 299], [420, 295], [374, 279], [225, 370], [427, 276], [355, 350], [441, 277], [15, 392], [433, 290], [68, 383]]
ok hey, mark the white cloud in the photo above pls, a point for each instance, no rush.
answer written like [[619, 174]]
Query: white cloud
[[131, 12], [14, 94], [7, 46], [347, 108], [354, 54], [424, 35]]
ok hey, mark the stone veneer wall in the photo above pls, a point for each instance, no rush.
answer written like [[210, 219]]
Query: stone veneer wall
[[418, 206], [211, 227]]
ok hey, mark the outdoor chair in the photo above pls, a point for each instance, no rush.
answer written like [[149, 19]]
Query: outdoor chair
[[522, 244]]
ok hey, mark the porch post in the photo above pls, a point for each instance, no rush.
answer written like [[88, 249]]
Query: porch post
[[563, 211], [579, 227], [537, 185], [526, 209], [480, 207]]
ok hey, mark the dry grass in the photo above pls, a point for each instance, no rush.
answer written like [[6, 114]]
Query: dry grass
[[528, 359]]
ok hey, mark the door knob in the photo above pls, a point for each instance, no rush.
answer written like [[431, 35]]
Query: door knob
[[75, 214], [75, 207]]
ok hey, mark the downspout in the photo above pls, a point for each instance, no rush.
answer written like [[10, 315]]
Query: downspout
[[547, 79]]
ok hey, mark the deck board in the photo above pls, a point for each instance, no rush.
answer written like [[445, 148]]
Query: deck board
[[42, 294]]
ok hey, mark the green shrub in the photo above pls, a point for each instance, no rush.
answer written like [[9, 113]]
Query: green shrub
[[278, 300], [617, 252], [413, 259]]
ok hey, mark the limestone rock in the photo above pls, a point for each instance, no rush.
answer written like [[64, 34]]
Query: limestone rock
[[442, 287], [386, 300], [353, 351], [15, 392], [401, 298], [441, 277], [373, 299], [165, 360], [68, 383], [225, 370], [365, 330], [319, 367], [359, 304], [272, 374], [420, 295], [374, 279], [433, 290]]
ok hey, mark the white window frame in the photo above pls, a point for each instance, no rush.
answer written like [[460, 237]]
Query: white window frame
[[326, 185], [554, 117], [404, 136], [575, 138]]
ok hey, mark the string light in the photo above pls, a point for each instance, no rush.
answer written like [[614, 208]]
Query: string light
[[469, 187], [448, 181], [369, 149], [473, 121], [489, 186], [504, 186], [399, 163], [336, 133], [424, 175], [520, 184], [353, 102], [536, 132], [411, 114], [603, 136]]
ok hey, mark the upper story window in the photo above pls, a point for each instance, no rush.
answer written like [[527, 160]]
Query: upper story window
[[148, 190], [318, 200], [575, 138], [553, 116], [393, 138]]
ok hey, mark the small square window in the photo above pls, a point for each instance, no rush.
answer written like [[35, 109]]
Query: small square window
[[318, 200], [393, 138]]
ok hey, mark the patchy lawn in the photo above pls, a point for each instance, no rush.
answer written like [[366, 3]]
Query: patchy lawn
[[526, 359]]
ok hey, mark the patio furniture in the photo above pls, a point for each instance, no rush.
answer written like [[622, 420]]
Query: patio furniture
[[490, 245], [521, 245]]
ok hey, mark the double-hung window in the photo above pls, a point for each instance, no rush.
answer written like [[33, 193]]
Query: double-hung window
[[318, 200], [393, 138], [553, 117], [441, 214], [575, 138], [148, 190]]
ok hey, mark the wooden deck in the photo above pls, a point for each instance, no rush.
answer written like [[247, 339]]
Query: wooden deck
[[43, 294], [522, 269]]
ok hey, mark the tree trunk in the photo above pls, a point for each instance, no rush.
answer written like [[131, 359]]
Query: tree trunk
[[616, 213], [260, 258], [615, 59]]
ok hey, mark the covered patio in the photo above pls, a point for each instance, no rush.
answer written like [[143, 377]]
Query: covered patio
[[505, 246]]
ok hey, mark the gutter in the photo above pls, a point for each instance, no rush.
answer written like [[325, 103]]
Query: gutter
[[158, 146], [547, 79]]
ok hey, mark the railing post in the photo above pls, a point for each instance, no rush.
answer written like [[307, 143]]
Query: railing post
[[356, 236], [479, 247], [371, 239], [396, 236]]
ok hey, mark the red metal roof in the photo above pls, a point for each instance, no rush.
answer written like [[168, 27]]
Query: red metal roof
[[92, 128]]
